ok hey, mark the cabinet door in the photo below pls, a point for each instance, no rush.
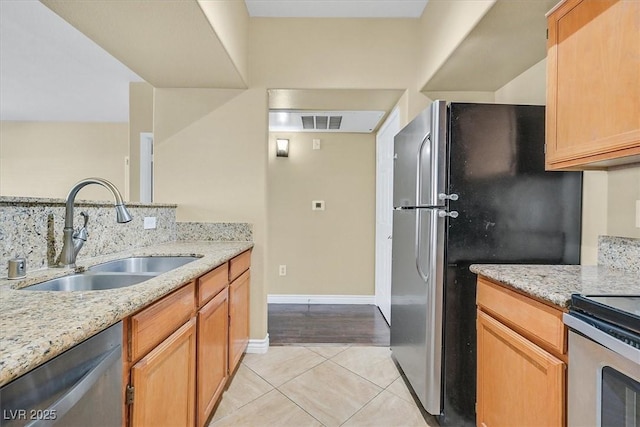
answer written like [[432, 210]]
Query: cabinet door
[[238, 318], [213, 329], [164, 382], [593, 83], [518, 382]]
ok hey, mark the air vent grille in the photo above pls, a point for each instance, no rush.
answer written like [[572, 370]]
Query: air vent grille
[[321, 122], [335, 122], [308, 122], [361, 121]]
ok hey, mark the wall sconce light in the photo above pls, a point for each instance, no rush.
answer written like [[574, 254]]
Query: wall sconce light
[[282, 148]]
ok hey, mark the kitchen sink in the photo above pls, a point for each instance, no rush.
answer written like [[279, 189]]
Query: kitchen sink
[[146, 264], [115, 274], [91, 282]]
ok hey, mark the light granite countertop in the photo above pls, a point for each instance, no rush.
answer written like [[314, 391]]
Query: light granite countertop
[[36, 326], [555, 283]]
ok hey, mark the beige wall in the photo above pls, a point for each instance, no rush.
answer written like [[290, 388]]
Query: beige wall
[[623, 191], [328, 252], [140, 120], [45, 159], [443, 26], [333, 53], [528, 88], [594, 214], [211, 159]]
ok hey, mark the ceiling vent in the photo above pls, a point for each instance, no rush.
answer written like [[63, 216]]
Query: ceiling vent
[[324, 121]]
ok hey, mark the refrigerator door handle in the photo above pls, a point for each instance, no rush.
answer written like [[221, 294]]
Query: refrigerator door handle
[[418, 235], [426, 139]]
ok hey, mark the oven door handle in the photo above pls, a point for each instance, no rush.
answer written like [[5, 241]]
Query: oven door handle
[[602, 338]]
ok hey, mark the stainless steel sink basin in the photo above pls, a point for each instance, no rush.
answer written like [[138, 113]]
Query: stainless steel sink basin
[[147, 264], [91, 282]]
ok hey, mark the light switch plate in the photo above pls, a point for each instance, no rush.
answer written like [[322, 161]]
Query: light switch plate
[[638, 213], [316, 144], [149, 222], [317, 205]]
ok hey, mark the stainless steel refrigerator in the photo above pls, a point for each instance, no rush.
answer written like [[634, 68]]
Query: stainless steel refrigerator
[[469, 187]]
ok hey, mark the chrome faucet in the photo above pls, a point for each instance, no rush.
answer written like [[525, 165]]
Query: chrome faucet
[[73, 240]]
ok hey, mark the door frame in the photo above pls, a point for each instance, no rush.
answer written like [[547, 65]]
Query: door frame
[[384, 212]]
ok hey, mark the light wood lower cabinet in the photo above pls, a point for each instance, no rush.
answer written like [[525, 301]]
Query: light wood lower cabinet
[[238, 319], [521, 366], [164, 382], [519, 384], [213, 331], [183, 348]]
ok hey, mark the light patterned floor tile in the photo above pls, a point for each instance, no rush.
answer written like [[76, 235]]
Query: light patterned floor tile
[[400, 389], [245, 386], [272, 409], [281, 364], [389, 410], [327, 351], [372, 363], [329, 392]]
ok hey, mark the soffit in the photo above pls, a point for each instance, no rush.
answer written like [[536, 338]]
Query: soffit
[[167, 43], [336, 8], [356, 102], [507, 41], [333, 99]]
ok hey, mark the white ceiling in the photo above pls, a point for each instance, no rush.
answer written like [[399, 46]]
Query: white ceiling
[[49, 71], [336, 8]]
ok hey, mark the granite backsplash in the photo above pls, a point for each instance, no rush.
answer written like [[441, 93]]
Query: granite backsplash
[[620, 253], [32, 228]]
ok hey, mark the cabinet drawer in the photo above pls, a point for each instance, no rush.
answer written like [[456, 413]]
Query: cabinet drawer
[[212, 283], [239, 265], [156, 322], [533, 319]]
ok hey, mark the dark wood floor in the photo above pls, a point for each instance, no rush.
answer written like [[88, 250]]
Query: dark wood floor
[[327, 323]]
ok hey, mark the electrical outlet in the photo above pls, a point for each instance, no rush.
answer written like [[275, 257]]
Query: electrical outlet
[[283, 270], [149, 222]]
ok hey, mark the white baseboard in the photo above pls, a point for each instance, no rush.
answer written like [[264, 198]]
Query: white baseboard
[[258, 346], [321, 299]]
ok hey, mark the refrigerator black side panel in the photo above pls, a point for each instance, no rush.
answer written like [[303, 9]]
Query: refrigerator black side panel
[[510, 211]]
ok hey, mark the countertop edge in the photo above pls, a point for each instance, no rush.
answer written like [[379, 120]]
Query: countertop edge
[[554, 284], [20, 354]]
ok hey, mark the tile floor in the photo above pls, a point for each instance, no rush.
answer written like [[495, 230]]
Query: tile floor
[[319, 385]]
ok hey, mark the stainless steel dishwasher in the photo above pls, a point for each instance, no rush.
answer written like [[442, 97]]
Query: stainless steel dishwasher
[[80, 387]]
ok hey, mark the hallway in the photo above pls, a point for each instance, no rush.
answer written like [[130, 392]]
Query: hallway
[[327, 323]]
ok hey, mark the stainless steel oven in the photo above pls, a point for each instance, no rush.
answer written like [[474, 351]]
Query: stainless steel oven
[[604, 361]]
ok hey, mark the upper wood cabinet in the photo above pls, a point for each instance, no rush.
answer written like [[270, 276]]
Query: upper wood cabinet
[[593, 84]]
